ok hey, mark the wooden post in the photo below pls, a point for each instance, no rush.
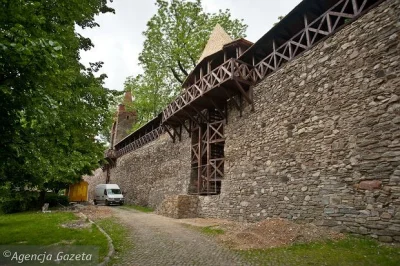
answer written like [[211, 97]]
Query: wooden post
[[199, 162], [275, 61], [306, 31], [355, 7]]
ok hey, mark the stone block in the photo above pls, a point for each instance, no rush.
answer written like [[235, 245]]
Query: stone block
[[387, 239], [369, 184], [329, 210], [386, 216]]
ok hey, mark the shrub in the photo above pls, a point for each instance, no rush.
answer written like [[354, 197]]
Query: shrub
[[22, 201], [54, 200], [29, 200], [11, 206]]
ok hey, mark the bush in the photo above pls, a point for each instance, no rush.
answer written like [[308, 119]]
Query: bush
[[29, 200], [11, 206], [21, 202], [54, 200]]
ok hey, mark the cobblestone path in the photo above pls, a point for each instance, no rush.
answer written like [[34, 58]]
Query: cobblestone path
[[160, 240]]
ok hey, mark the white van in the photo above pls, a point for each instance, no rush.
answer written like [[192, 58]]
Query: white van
[[108, 194]]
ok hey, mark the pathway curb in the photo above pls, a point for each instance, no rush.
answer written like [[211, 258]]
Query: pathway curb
[[111, 248]]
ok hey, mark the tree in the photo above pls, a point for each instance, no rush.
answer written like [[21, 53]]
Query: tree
[[52, 107], [279, 19], [175, 37]]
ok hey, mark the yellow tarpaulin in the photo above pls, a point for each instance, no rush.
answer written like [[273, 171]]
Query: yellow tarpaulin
[[78, 192]]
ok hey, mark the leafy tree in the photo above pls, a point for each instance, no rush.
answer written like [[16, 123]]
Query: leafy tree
[[175, 38], [279, 19], [52, 107]]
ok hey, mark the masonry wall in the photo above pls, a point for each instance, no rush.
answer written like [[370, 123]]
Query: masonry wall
[[155, 171], [98, 177], [322, 146]]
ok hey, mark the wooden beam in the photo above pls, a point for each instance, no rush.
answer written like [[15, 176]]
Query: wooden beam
[[198, 112], [306, 31], [216, 106], [274, 55], [243, 92], [236, 103], [182, 123], [178, 133], [169, 133], [355, 7], [192, 118]]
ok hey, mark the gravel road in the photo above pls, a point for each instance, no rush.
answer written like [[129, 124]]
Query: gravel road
[[160, 240]]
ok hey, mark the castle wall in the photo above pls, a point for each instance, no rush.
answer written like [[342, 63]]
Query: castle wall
[[155, 171], [322, 146], [97, 177]]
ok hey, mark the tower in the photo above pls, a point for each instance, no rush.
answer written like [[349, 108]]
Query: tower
[[125, 118]]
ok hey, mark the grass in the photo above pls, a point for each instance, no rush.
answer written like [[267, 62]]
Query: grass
[[208, 230], [43, 229], [138, 208], [118, 234], [349, 251]]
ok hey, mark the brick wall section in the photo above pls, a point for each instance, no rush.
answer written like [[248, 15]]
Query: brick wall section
[[323, 144]]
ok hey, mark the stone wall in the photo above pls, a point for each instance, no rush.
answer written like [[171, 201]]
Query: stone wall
[[323, 144], [155, 171], [98, 177], [179, 206]]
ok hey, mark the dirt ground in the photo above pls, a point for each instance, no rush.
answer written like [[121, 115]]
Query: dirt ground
[[95, 212], [265, 234]]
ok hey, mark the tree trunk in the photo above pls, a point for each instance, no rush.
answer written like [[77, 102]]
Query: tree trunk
[[42, 196]]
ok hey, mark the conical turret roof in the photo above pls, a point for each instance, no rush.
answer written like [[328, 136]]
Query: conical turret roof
[[215, 43]]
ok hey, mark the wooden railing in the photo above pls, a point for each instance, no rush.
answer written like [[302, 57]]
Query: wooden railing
[[136, 144], [324, 25], [230, 69]]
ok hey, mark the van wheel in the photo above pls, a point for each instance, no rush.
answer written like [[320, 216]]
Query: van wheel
[[95, 202], [107, 203], [121, 203]]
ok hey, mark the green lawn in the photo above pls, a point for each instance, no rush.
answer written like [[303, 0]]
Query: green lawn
[[137, 207], [349, 251], [43, 229], [118, 234]]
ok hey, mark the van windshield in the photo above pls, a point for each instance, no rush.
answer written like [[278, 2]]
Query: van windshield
[[113, 191]]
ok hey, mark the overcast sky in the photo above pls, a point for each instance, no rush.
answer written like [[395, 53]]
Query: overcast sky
[[118, 41]]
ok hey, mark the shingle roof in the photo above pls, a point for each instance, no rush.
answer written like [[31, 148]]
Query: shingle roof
[[217, 40]]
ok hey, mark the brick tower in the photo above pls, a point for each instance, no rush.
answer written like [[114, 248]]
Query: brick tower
[[124, 120]]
